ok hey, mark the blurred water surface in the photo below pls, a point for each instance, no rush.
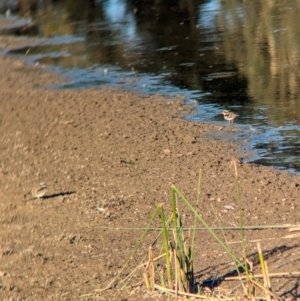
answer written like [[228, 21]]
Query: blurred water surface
[[242, 56]]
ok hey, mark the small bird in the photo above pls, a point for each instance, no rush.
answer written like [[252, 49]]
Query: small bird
[[229, 116], [39, 191]]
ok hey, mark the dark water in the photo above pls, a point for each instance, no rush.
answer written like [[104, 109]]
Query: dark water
[[242, 56]]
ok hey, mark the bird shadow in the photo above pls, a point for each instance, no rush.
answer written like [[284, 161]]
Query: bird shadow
[[55, 195]]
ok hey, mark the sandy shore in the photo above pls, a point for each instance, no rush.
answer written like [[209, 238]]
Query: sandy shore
[[120, 152]]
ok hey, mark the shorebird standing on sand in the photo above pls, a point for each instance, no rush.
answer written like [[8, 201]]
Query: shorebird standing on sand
[[39, 191], [229, 116]]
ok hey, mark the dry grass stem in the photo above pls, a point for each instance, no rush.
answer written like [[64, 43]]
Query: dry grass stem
[[195, 296], [235, 168], [283, 274], [265, 290], [152, 268], [147, 282], [143, 265], [294, 229]]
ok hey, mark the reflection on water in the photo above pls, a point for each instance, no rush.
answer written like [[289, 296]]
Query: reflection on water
[[236, 55]]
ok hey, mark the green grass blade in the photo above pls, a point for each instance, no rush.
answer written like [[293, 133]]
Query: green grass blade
[[195, 218], [166, 245], [136, 247], [214, 235]]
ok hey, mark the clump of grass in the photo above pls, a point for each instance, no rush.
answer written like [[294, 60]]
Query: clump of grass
[[172, 270]]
